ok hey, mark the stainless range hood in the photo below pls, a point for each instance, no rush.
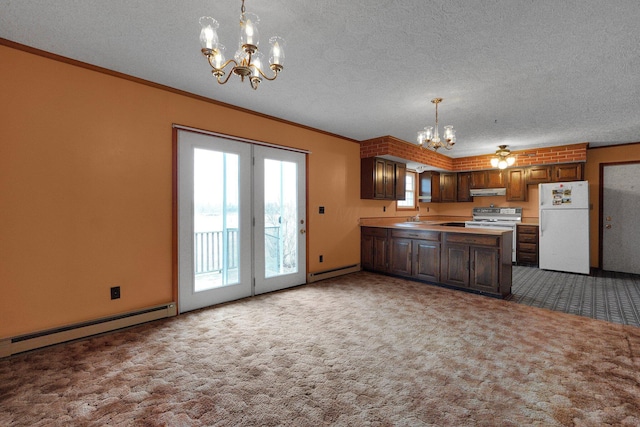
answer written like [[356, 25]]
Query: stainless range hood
[[476, 192]]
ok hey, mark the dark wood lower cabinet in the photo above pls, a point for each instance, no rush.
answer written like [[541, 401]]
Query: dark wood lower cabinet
[[455, 265], [426, 260], [485, 268], [527, 244], [415, 258], [477, 262], [415, 254], [473, 267], [374, 251], [401, 259]]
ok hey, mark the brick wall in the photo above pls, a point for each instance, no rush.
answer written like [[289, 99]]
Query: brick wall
[[388, 145]]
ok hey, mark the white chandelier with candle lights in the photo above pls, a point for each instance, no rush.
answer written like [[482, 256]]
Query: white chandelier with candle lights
[[247, 61], [432, 138]]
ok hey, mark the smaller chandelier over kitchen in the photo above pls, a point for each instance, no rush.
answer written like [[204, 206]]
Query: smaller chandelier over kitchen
[[503, 158], [432, 138], [247, 61]]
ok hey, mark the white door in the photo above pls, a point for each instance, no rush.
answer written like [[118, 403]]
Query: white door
[[280, 219], [620, 206], [214, 220], [241, 219]]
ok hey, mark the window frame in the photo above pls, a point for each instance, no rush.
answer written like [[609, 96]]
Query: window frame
[[414, 190]]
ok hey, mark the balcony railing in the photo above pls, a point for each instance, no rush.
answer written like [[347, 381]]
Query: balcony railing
[[209, 252], [209, 249]]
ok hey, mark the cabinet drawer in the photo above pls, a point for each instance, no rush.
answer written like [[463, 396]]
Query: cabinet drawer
[[472, 239], [528, 238], [527, 229], [374, 231], [527, 247], [417, 234], [526, 257]]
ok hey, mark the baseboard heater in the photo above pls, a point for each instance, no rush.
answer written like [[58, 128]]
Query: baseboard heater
[[48, 337], [327, 274]]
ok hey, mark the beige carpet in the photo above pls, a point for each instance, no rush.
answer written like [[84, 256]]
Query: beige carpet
[[360, 350]]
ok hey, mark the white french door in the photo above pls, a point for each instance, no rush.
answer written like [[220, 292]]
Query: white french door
[[214, 220], [241, 219], [280, 212]]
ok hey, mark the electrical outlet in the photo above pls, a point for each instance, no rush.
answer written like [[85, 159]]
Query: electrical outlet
[[115, 292], [321, 258], [321, 210]]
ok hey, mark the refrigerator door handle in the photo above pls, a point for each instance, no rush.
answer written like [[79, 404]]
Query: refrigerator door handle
[[541, 222]]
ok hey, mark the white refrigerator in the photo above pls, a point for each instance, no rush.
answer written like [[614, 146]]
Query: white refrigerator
[[564, 226]]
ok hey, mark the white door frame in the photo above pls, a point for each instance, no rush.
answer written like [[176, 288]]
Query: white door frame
[[183, 211]]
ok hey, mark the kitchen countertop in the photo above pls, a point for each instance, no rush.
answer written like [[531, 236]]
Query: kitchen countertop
[[431, 225], [530, 221], [399, 219]]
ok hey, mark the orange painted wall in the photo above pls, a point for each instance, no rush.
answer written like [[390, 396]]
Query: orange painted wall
[[86, 190]]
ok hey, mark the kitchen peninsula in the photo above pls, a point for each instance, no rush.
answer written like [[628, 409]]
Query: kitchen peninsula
[[440, 252]]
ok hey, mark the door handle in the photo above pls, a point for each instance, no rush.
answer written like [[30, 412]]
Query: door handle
[[302, 231]]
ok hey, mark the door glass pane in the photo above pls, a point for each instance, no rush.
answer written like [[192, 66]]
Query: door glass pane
[[280, 217], [215, 219]]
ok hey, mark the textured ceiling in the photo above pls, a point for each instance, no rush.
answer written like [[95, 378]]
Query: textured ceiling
[[526, 73]]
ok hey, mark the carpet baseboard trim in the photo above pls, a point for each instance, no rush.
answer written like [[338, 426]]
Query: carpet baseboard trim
[[49, 337], [335, 272]]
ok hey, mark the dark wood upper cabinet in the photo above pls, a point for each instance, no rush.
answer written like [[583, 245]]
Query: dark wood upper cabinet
[[493, 178], [538, 174], [567, 172], [389, 180], [464, 185], [479, 179], [401, 181], [429, 186], [516, 184], [448, 187], [542, 174], [382, 179]]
